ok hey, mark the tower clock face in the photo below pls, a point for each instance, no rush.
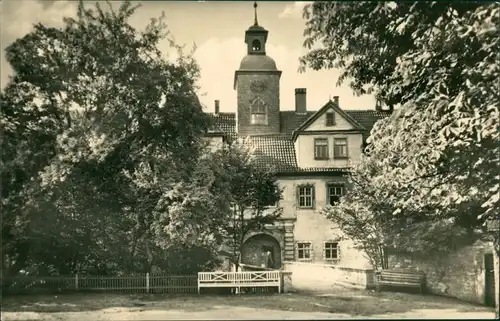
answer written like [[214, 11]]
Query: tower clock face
[[258, 86]]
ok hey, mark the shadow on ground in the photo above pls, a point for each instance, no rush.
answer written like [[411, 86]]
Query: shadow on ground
[[345, 301]]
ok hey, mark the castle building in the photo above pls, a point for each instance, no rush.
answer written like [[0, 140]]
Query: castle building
[[310, 152]]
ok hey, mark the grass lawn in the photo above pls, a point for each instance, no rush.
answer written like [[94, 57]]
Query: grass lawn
[[346, 302]]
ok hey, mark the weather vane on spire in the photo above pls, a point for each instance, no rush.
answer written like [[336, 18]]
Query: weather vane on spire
[[255, 7]]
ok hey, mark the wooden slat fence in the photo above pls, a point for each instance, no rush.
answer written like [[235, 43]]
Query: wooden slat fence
[[139, 283]]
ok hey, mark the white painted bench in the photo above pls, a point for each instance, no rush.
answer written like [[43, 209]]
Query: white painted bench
[[239, 280]]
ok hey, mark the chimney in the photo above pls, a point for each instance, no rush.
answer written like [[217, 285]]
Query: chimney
[[217, 107], [336, 100], [300, 100]]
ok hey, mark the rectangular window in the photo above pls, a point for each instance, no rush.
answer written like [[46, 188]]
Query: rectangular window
[[340, 148], [305, 196], [321, 148], [304, 250], [335, 192], [332, 251], [330, 119]]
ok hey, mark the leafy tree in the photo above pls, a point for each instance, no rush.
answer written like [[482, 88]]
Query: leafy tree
[[28, 145], [92, 112], [439, 61], [253, 194], [189, 213], [228, 197]]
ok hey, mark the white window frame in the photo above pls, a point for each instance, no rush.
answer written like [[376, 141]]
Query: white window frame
[[311, 252], [325, 243], [305, 196], [334, 185]]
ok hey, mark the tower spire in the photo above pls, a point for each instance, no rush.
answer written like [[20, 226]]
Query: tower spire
[[255, 23]]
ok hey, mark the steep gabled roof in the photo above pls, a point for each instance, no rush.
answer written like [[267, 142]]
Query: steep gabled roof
[[329, 105], [277, 151], [290, 121]]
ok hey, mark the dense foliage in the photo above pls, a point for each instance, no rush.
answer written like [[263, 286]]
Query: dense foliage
[[429, 179], [254, 195], [92, 111], [104, 169]]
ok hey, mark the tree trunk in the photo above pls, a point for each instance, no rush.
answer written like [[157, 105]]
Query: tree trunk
[[385, 258], [496, 273], [149, 258], [134, 247]]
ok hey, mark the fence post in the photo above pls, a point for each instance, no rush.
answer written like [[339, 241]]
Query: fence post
[[147, 282], [76, 281]]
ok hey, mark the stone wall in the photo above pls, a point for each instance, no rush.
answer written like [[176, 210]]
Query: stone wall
[[460, 275], [286, 281], [324, 277]]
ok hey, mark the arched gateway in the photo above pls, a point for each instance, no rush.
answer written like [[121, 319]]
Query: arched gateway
[[262, 250]]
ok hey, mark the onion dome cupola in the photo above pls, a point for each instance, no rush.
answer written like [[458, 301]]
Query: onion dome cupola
[[256, 38]]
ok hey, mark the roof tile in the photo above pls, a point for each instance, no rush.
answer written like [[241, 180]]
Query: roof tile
[[367, 118], [224, 122], [277, 151]]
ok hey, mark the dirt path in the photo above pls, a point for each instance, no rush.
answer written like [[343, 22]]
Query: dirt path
[[344, 304], [230, 313]]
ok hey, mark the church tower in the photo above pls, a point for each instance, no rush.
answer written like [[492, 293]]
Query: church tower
[[257, 83]]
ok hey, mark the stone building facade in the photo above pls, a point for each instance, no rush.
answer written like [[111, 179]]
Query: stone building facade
[[310, 152]]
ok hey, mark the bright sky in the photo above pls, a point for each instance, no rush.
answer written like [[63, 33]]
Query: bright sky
[[217, 28]]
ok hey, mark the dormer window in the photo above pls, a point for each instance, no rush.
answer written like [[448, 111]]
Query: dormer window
[[256, 45], [330, 118], [258, 111]]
